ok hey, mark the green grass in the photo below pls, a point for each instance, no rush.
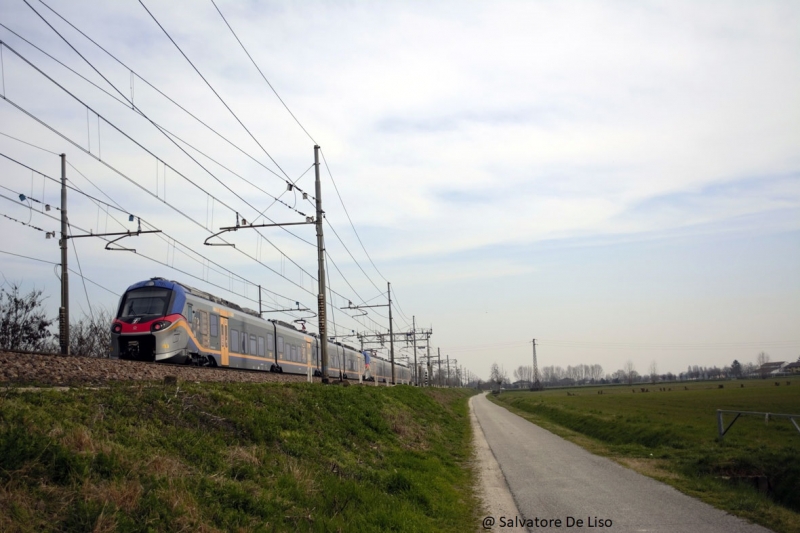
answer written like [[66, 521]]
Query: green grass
[[672, 436], [228, 457]]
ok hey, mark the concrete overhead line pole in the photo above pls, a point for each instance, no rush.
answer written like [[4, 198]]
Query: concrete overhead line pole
[[63, 312], [317, 221], [428, 363], [439, 376], [321, 304], [391, 329], [414, 333]]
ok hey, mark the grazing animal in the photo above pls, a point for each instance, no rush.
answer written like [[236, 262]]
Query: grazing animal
[[633, 390], [720, 386], [670, 389], [741, 385], [788, 383], [777, 384], [685, 387]]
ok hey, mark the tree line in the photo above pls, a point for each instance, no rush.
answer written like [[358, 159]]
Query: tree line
[[593, 374]]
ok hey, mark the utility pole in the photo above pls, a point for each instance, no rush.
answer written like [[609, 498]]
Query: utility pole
[[323, 329], [391, 329], [535, 384], [428, 365], [63, 312], [414, 332], [439, 377], [448, 370]]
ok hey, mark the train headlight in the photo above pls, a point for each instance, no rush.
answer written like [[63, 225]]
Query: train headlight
[[158, 325], [116, 327]]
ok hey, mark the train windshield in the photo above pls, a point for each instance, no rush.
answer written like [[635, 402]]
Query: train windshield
[[147, 301]]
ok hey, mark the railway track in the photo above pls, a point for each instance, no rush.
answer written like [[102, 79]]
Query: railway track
[[38, 368]]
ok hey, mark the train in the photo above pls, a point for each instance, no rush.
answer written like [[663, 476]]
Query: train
[[170, 322]]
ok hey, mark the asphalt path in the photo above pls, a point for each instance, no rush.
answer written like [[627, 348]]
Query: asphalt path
[[556, 483]]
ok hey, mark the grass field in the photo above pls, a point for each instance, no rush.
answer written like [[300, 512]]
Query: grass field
[[672, 436], [236, 457]]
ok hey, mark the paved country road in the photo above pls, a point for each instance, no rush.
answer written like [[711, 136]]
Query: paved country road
[[556, 483]]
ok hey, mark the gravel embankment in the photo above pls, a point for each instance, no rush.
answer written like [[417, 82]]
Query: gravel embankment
[[35, 369]]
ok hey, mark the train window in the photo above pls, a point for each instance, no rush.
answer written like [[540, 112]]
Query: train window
[[244, 342], [280, 346], [145, 301], [303, 354], [261, 346], [234, 340], [270, 343], [214, 325], [253, 347], [293, 353], [189, 313]]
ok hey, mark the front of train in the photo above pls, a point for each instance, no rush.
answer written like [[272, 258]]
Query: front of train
[[150, 325]]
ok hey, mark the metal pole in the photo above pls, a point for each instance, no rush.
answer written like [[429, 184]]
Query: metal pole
[[64, 311], [448, 370], [428, 358], [259, 301], [321, 262], [535, 367], [439, 377], [391, 329], [414, 332]]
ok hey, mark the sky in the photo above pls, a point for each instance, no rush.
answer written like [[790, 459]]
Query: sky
[[619, 181]]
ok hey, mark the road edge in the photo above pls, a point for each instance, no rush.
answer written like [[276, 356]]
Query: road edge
[[492, 490]]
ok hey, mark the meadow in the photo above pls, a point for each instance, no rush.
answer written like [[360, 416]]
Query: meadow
[[670, 433], [236, 457]]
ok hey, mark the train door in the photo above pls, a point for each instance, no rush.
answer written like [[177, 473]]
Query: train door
[[223, 345]]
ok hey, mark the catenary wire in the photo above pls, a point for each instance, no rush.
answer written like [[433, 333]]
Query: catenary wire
[[262, 74], [149, 84], [117, 206], [210, 87], [143, 115], [54, 263]]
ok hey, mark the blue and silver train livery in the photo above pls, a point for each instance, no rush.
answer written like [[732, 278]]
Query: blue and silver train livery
[[166, 321]]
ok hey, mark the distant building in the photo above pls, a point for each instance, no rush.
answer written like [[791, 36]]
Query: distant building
[[772, 368], [792, 368]]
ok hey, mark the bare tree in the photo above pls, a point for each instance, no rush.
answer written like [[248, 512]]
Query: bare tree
[[653, 372], [762, 359], [23, 323], [91, 335], [524, 373], [630, 371], [498, 375]]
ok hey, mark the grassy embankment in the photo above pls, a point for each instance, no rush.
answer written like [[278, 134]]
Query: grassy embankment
[[206, 457], [672, 436]]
